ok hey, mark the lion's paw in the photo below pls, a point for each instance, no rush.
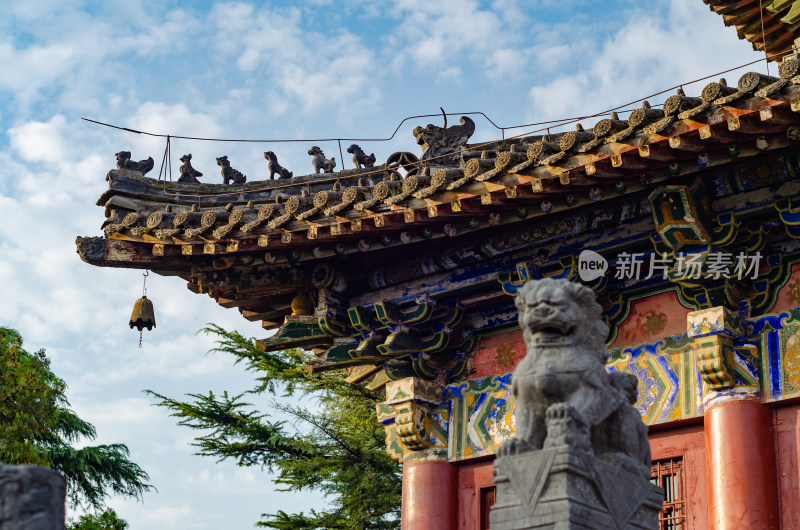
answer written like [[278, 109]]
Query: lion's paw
[[508, 448], [565, 427], [513, 446], [558, 412]]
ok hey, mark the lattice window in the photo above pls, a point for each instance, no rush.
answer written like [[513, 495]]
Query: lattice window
[[488, 498], [669, 475]]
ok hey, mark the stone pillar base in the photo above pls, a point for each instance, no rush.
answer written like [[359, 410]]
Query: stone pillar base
[[31, 498], [566, 488]]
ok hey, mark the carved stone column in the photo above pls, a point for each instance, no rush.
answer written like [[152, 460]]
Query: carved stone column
[[416, 433], [31, 498], [740, 448]]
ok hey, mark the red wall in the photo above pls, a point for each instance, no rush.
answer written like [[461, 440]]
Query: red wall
[[788, 294], [487, 362], [651, 318], [787, 439], [688, 443], [471, 478]]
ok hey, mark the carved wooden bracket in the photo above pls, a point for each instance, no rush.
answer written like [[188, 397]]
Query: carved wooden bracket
[[715, 361], [714, 331], [681, 215], [414, 417]]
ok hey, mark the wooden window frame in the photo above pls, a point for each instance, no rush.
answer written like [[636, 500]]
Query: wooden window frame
[[487, 498], [668, 474]]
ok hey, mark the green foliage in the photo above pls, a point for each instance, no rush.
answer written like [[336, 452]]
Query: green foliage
[[336, 447], [107, 520], [38, 427], [31, 398]]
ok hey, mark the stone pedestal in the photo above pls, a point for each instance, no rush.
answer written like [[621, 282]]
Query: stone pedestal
[[567, 488], [31, 498]]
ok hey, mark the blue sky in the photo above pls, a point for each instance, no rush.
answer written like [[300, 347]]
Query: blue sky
[[262, 70]]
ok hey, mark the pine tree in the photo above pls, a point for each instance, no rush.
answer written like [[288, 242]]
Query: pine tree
[[38, 427], [106, 520], [336, 448]]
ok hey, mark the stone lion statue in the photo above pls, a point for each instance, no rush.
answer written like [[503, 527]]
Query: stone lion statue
[[564, 394]]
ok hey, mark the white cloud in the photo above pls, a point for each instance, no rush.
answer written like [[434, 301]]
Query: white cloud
[[75, 51], [176, 119], [318, 72], [41, 142], [182, 515], [237, 479], [451, 74], [42, 65], [513, 14], [434, 35], [651, 51], [505, 63]]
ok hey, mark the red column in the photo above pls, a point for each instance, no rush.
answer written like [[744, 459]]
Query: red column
[[740, 458], [430, 493]]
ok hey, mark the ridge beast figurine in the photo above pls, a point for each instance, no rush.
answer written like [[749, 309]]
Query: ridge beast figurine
[[275, 167], [230, 175], [320, 162], [124, 162], [360, 159], [437, 141], [188, 173]]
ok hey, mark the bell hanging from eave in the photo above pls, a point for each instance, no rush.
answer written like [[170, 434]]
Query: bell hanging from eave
[[143, 315]]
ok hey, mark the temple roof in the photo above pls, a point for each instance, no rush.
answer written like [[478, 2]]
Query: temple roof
[[777, 24], [254, 246], [496, 183]]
